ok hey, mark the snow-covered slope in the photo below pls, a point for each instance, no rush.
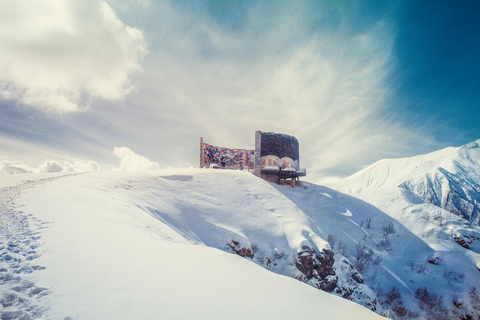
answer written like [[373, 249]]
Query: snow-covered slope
[[216, 244], [448, 178], [432, 196], [145, 245]]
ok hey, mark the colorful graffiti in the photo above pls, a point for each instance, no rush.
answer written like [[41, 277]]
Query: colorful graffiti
[[272, 161], [226, 158]]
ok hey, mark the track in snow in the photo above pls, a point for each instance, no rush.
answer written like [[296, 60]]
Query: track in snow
[[20, 244]]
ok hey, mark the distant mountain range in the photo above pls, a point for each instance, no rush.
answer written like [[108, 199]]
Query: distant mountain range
[[448, 178]]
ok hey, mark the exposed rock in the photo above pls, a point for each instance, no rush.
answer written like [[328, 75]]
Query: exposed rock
[[449, 191], [462, 242], [457, 304], [434, 260], [243, 252], [357, 276], [344, 292], [328, 284], [269, 261], [318, 266], [372, 305]]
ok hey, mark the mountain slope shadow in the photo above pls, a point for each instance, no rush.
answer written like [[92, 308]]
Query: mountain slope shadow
[[353, 227]]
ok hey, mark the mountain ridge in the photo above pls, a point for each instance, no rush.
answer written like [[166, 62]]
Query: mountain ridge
[[448, 178]]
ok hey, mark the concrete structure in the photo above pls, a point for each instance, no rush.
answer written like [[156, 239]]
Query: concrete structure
[[275, 158]]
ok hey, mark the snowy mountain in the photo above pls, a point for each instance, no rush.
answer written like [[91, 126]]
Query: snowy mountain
[[449, 178], [436, 197], [220, 244]]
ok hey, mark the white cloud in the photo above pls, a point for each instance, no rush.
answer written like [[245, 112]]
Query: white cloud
[[14, 167], [49, 166], [130, 161], [76, 166], [289, 68], [58, 55], [328, 89], [79, 166]]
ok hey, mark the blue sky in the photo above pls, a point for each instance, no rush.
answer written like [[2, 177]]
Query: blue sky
[[354, 81]]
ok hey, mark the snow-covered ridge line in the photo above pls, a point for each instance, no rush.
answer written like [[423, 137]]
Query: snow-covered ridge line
[[448, 178]]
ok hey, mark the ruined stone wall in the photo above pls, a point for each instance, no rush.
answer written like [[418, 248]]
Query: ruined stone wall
[[276, 157], [275, 149], [278, 144]]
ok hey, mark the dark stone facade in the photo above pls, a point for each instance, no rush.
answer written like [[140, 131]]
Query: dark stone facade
[[277, 144], [275, 158], [274, 144]]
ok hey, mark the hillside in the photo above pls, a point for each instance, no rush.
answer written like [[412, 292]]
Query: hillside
[[217, 244], [448, 178], [436, 197], [151, 245]]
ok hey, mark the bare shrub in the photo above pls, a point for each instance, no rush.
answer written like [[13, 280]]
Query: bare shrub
[[431, 303], [426, 216], [387, 231], [368, 223], [393, 301], [372, 278], [440, 219], [341, 247], [377, 260], [430, 233], [363, 258], [384, 244], [422, 268], [475, 299], [331, 239]]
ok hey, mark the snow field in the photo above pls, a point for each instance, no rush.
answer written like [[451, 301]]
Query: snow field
[[121, 246]]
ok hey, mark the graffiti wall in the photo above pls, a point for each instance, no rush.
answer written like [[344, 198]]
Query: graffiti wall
[[284, 163], [225, 158], [276, 157]]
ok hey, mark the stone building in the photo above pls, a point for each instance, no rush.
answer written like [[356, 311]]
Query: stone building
[[275, 158]]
